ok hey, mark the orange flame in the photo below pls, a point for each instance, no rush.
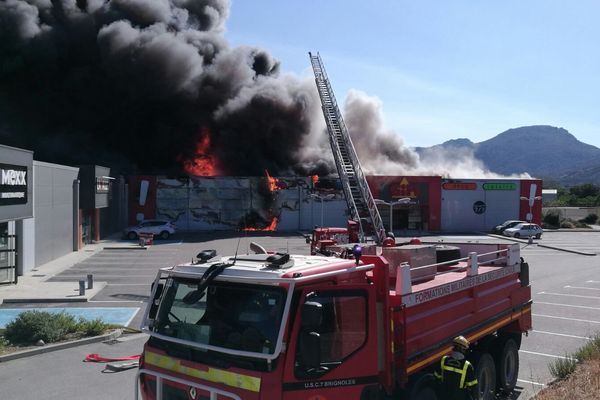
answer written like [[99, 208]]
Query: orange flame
[[315, 179], [269, 228], [203, 164]]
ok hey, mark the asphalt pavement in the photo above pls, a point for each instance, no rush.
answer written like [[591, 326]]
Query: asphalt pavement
[[563, 268]]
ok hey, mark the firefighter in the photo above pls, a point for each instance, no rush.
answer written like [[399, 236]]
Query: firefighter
[[456, 374]]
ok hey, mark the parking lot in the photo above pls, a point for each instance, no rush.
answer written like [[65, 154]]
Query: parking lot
[[565, 287]]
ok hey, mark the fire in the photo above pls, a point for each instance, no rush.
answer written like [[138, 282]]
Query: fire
[[271, 182], [269, 228], [315, 179], [274, 184], [203, 164]]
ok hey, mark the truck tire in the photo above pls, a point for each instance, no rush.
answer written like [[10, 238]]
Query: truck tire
[[132, 235], [507, 366], [425, 393], [164, 235], [485, 370], [517, 235]]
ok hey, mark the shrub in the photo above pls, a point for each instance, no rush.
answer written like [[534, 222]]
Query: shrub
[[590, 219], [563, 367], [590, 350], [31, 326], [567, 224], [3, 343], [552, 219], [92, 328]]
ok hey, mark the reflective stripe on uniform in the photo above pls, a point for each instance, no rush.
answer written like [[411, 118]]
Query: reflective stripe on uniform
[[462, 372], [210, 374]]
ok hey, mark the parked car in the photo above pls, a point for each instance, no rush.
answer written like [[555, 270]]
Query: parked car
[[499, 229], [524, 230], [161, 228]]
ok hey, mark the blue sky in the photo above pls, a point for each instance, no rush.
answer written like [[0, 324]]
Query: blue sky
[[444, 69]]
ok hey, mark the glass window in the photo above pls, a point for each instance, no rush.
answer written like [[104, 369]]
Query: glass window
[[234, 316], [343, 329]]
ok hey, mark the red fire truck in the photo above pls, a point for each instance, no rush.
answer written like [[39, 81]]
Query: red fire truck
[[371, 326]]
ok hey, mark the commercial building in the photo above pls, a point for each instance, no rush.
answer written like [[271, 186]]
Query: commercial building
[[407, 204]]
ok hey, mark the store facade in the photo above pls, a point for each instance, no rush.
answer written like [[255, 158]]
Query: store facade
[[16, 207]]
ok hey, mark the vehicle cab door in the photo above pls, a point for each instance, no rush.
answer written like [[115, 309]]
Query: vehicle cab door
[[333, 348]]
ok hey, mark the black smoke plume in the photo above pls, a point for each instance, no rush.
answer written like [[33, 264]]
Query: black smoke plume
[[134, 84]]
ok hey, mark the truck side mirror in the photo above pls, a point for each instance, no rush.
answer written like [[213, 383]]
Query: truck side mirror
[[155, 300]]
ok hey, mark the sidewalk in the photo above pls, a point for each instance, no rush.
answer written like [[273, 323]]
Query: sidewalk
[[33, 286]]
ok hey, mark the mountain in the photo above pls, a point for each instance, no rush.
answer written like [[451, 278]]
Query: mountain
[[542, 151]]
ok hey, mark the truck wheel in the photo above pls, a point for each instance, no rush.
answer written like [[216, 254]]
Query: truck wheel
[[131, 235], [425, 393], [164, 235], [538, 236], [517, 235], [485, 370], [508, 366]]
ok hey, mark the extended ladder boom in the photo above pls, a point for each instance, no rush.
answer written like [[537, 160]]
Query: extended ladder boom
[[356, 190]]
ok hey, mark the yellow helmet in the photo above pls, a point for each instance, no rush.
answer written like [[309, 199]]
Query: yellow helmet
[[461, 342]]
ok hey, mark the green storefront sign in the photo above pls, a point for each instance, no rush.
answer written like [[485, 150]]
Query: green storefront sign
[[500, 186]]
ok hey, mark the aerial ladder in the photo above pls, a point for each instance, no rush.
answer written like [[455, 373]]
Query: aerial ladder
[[356, 189]]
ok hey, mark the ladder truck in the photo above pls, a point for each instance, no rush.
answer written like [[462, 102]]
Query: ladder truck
[[361, 204]]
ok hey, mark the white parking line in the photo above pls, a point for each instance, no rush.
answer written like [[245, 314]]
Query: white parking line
[[562, 334], [582, 287], [567, 319], [570, 295], [544, 354], [567, 305], [592, 281], [531, 383]]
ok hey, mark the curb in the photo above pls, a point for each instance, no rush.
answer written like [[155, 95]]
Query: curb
[[583, 253], [49, 300], [60, 346], [125, 248]]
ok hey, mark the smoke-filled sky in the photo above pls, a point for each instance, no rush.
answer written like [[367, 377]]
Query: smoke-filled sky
[[445, 69], [154, 86]]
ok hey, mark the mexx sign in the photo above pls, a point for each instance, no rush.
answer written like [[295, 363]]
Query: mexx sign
[[13, 184]]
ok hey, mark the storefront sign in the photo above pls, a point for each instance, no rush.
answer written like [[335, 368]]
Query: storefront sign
[[459, 186], [13, 184], [102, 185], [479, 207], [500, 186]]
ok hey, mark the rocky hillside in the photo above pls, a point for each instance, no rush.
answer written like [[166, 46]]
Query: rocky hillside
[[543, 151]]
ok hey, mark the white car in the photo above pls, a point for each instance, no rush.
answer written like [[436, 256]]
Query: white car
[[161, 228], [524, 230]]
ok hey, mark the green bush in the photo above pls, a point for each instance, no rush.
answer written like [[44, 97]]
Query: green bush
[[552, 219], [563, 367], [92, 328], [3, 343], [31, 326], [590, 350], [590, 219]]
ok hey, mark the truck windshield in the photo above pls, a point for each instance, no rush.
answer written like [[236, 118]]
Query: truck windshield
[[228, 315]]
